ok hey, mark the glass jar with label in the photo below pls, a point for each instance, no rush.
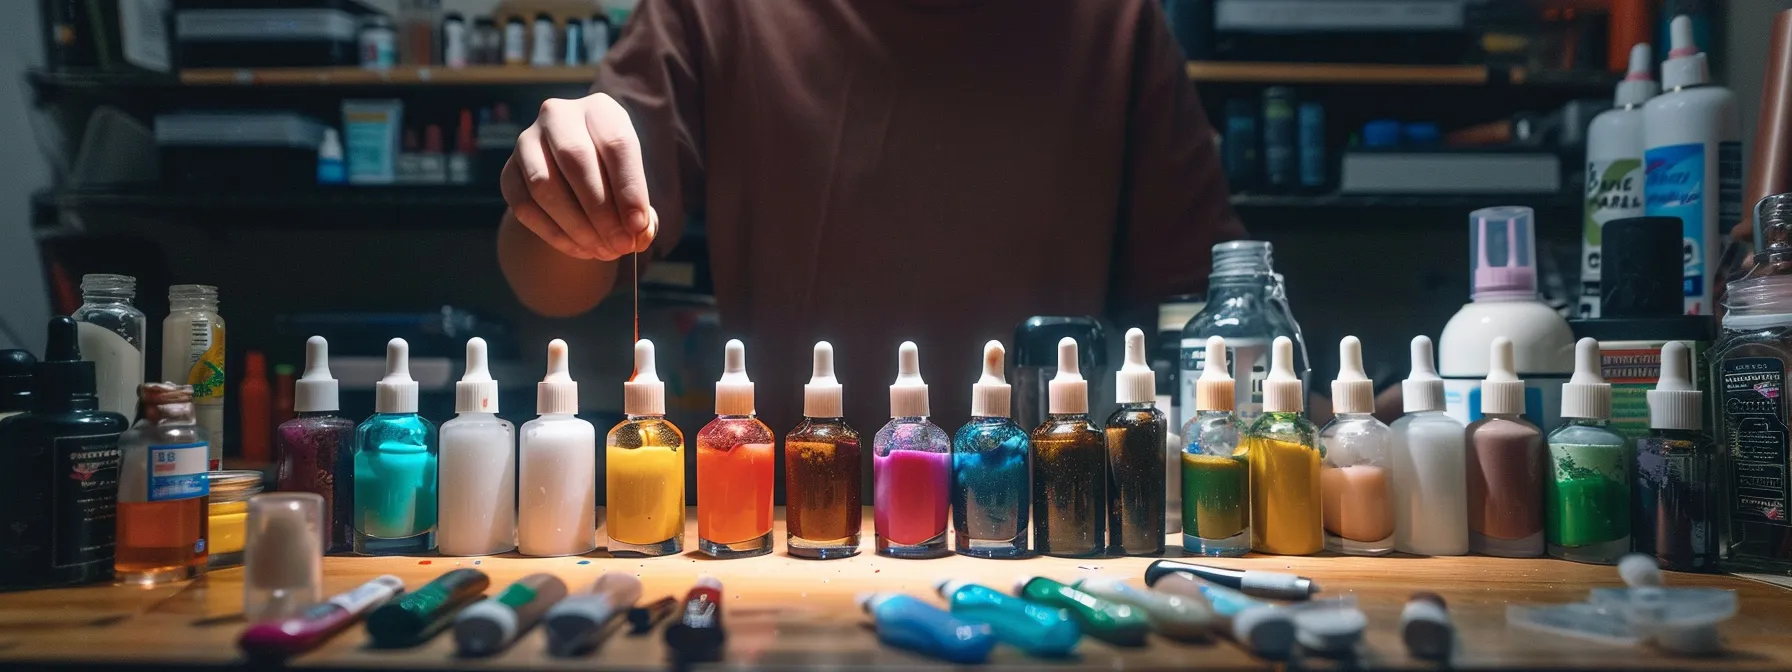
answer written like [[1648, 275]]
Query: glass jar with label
[[162, 490], [228, 515]]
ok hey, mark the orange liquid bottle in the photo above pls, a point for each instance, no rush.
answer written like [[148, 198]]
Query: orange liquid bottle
[[735, 457], [163, 490]]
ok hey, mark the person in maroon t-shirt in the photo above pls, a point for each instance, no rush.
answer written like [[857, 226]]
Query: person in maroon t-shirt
[[873, 171]]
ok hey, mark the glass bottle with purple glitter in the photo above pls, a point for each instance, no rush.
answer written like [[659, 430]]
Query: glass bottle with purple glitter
[[313, 448], [911, 469]]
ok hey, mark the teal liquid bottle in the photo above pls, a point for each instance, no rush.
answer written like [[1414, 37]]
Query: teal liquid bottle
[[1037, 629], [395, 466], [991, 464], [1586, 500]]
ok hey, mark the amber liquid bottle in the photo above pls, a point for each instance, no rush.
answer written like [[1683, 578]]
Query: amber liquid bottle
[[1069, 468], [163, 490], [823, 502]]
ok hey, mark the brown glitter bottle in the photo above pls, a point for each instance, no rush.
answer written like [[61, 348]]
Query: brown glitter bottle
[[1135, 442], [821, 477], [1069, 467]]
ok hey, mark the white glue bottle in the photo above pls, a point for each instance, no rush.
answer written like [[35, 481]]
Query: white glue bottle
[[1614, 169], [1429, 452], [557, 469], [477, 485], [1504, 302], [1692, 142]]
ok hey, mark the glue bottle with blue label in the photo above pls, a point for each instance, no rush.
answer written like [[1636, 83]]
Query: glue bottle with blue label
[[1692, 161], [163, 490]]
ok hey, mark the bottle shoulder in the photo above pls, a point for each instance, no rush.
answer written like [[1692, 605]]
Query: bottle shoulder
[[477, 420], [1066, 429], [997, 428], [734, 430], [912, 433], [823, 431], [1582, 434], [1134, 417]]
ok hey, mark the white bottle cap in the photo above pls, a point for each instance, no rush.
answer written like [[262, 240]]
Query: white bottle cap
[[1352, 392], [557, 393], [822, 397], [908, 396], [734, 392], [331, 147], [1686, 64], [1422, 390], [1675, 403], [1586, 394], [1502, 392], [476, 392], [1281, 390], [991, 394], [644, 394], [1067, 392], [1638, 86], [396, 393], [1215, 390], [316, 389], [1134, 383]]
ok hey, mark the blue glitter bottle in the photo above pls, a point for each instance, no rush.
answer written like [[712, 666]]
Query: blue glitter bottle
[[395, 466], [991, 462]]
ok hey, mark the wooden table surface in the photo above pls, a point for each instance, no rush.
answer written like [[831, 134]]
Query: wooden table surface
[[783, 612]]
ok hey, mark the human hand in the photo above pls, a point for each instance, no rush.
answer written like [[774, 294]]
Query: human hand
[[575, 180]]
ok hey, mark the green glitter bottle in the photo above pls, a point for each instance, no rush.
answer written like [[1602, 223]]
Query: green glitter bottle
[[1587, 497]]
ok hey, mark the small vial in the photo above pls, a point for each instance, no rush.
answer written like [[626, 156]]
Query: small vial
[[1587, 495], [736, 454], [1505, 466], [395, 466], [1429, 453], [1285, 455], [1069, 496], [163, 490], [910, 465], [478, 463], [991, 464], [556, 468], [1135, 435], [313, 448], [1356, 476], [644, 468], [1216, 477], [283, 558], [1673, 517], [821, 471]]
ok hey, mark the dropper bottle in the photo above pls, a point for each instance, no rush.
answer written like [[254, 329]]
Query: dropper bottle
[[1284, 452], [1505, 466], [1069, 497], [1676, 472], [1135, 440], [991, 462], [910, 469], [1216, 485], [644, 468], [1587, 495], [478, 491], [395, 466], [735, 475], [557, 468], [1356, 476], [823, 510], [310, 447], [1430, 507]]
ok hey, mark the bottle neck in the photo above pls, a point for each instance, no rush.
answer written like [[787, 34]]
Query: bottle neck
[[102, 298], [817, 420], [1586, 422], [193, 305], [1207, 415], [914, 419], [1138, 406], [315, 414], [734, 416], [1067, 417], [1221, 288], [633, 417]]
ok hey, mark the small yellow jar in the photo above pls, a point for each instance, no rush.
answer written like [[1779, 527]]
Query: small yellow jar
[[228, 515]]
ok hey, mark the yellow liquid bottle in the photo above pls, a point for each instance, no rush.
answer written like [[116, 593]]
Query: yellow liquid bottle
[[1284, 453], [644, 469]]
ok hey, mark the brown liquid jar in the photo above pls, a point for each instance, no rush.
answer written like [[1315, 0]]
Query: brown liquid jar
[[1505, 463]]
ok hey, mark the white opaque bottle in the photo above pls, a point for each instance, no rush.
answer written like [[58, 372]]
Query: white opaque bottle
[[112, 333], [1692, 138], [477, 487], [1355, 479], [1429, 451], [557, 460], [193, 354], [1614, 177]]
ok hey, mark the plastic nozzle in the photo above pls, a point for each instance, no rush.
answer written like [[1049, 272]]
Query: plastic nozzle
[[1068, 392], [64, 343], [1422, 390], [644, 394], [908, 395], [734, 392], [396, 392], [1134, 383], [476, 392], [1686, 65], [991, 395], [1586, 394], [1641, 62], [1680, 40], [822, 397], [1281, 390], [1215, 390], [1676, 367], [1352, 392], [557, 393]]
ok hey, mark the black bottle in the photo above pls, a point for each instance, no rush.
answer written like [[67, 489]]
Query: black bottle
[[60, 484], [15, 382]]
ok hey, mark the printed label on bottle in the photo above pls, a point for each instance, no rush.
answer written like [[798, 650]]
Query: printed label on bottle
[[84, 500], [1675, 187], [178, 472], [205, 361], [1753, 407], [1614, 190], [1249, 358]]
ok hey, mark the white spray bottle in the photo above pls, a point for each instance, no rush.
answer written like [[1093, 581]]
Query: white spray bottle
[[1693, 152]]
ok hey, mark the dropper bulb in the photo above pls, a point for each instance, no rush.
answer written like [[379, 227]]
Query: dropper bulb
[[1350, 359], [1067, 357], [1676, 368], [994, 359], [64, 343], [1282, 359], [1499, 366], [644, 367], [908, 360], [317, 358], [558, 366], [824, 360], [1586, 362], [1135, 348], [734, 361], [1422, 364], [1216, 359], [478, 369], [398, 359]]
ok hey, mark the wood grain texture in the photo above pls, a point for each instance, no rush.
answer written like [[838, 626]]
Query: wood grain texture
[[783, 612]]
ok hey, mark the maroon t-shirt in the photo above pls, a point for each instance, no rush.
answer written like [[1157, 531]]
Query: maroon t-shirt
[[874, 171]]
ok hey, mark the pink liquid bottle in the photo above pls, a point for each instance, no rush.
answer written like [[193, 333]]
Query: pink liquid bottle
[[911, 464]]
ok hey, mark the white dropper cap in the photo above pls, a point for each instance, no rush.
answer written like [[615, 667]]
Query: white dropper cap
[[1281, 390], [908, 396], [557, 393], [644, 394], [316, 389], [1638, 86], [822, 397], [1422, 390], [734, 392], [1351, 391], [396, 392], [1067, 392], [1134, 383], [1502, 392], [1675, 403], [1686, 64], [1215, 390], [476, 392], [991, 394], [1586, 394]]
